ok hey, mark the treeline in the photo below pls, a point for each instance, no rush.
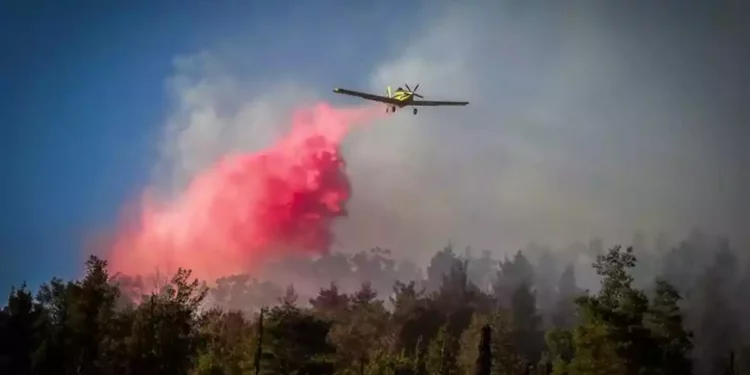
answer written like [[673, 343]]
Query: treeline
[[468, 316]]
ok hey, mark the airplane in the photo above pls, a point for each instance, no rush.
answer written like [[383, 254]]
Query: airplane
[[399, 99]]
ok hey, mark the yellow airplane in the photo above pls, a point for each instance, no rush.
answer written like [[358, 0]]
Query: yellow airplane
[[398, 99]]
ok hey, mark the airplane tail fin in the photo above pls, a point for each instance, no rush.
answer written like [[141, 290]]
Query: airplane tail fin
[[390, 95]]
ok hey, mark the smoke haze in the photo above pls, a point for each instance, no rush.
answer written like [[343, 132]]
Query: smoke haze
[[592, 120]]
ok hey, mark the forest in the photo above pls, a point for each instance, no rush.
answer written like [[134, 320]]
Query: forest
[[649, 308]]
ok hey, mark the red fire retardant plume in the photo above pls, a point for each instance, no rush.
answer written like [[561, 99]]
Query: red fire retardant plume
[[249, 207]]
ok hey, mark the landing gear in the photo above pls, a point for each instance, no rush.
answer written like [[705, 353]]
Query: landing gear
[[414, 111]]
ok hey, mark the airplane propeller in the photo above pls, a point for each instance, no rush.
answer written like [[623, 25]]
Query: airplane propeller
[[414, 92]]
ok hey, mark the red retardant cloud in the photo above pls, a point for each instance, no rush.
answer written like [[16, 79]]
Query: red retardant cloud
[[248, 207]]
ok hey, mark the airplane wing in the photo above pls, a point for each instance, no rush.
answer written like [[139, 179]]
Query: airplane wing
[[363, 95], [435, 103]]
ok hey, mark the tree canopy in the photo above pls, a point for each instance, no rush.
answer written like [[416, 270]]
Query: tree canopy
[[523, 314]]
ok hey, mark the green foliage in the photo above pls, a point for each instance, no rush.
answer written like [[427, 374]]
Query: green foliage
[[165, 334], [621, 333], [227, 349], [451, 323], [387, 363], [415, 318], [441, 355], [505, 357], [484, 357], [330, 302], [295, 342], [470, 351], [666, 323], [359, 330], [595, 353], [20, 334], [560, 344], [526, 334]]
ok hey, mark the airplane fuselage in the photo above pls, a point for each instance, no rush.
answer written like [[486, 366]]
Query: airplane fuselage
[[404, 98]]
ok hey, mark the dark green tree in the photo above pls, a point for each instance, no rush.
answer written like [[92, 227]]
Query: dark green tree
[[441, 356], [612, 337], [84, 332], [166, 335], [484, 360], [227, 344], [58, 351], [505, 357], [560, 345], [20, 334], [295, 342], [666, 322], [361, 331], [330, 302], [93, 318], [416, 318], [527, 336], [257, 360]]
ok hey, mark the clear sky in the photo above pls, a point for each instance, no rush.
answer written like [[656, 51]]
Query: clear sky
[[585, 120]]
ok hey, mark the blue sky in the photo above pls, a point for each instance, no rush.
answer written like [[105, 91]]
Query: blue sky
[[83, 96]]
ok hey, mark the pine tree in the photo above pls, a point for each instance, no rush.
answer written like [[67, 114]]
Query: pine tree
[[484, 360], [259, 347], [441, 359]]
